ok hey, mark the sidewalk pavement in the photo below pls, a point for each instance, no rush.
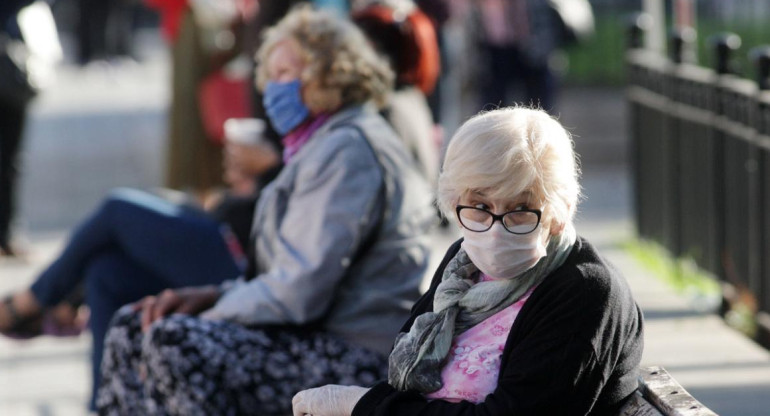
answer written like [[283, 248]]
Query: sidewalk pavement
[[112, 135]]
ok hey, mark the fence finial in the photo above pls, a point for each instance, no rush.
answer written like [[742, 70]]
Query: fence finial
[[760, 55], [724, 44], [638, 24], [683, 45]]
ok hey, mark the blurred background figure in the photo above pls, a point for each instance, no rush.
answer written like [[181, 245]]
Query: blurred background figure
[[439, 12], [406, 37], [12, 115], [194, 156], [248, 167], [104, 30], [517, 40], [29, 50]]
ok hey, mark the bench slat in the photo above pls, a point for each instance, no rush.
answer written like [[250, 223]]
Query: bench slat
[[638, 406], [660, 389]]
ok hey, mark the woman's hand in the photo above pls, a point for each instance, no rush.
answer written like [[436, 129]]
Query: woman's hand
[[190, 301], [329, 400]]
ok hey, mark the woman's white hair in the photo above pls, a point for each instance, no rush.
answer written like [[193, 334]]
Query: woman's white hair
[[508, 151]]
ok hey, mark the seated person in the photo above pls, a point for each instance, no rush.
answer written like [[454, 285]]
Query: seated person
[[523, 317], [338, 251]]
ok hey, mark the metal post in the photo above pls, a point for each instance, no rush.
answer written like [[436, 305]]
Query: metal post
[[639, 26], [683, 45], [724, 45], [761, 58]]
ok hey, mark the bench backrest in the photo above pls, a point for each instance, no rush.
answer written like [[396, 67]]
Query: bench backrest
[[660, 395]]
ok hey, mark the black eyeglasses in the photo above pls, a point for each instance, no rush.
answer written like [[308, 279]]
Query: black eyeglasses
[[520, 221]]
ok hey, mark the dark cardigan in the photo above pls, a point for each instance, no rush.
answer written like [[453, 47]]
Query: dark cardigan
[[574, 348]]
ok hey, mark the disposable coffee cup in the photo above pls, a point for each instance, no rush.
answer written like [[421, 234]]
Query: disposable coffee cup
[[245, 131]]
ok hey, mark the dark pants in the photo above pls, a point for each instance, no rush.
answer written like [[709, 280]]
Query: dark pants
[[104, 29], [11, 126], [134, 245], [512, 78]]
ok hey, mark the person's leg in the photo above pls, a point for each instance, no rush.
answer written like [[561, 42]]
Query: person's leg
[[175, 245], [11, 129], [496, 77], [538, 83], [196, 366], [119, 28], [83, 28], [99, 14]]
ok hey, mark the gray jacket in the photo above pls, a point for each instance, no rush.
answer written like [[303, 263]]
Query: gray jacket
[[310, 222]]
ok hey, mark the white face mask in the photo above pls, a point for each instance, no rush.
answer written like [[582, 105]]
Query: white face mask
[[501, 254]]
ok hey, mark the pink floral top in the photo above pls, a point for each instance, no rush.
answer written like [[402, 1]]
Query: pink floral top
[[473, 364]]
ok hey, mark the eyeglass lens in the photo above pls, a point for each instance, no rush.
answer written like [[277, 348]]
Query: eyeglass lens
[[518, 222]]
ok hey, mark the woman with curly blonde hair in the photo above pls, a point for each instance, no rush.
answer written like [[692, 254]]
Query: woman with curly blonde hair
[[337, 253]]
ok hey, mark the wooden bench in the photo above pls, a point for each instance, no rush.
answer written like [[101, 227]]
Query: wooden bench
[[660, 395]]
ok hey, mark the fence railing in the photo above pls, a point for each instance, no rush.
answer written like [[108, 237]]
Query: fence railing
[[701, 163]]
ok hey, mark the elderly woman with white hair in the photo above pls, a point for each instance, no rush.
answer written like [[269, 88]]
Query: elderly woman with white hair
[[338, 249], [522, 317]]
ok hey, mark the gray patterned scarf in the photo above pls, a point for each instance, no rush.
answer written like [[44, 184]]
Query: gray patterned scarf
[[459, 303]]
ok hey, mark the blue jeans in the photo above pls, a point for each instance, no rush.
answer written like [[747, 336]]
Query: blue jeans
[[134, 245]]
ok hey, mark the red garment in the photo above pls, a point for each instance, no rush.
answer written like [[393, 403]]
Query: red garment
[[171, 12], [410, 43]]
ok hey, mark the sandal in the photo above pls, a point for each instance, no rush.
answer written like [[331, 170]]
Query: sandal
[[21, 327], [44, 322]]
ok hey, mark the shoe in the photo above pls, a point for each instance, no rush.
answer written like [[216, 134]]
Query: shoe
[[21, 327], [44, 322]]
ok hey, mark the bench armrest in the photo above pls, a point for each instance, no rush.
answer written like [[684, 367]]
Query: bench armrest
[[660, 395]]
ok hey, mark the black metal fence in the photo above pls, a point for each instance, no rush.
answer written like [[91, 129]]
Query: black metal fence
[[701, 158]]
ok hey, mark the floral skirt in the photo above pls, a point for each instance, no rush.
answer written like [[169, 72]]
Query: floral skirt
[[185, 365]]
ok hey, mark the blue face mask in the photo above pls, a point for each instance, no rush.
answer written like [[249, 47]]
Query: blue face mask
[[284, 106]]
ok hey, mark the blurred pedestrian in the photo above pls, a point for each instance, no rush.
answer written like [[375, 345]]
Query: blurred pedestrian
[[245, 166], [518, 39], [523, 317], [104, 30], [438, 11], [193, 158], [12, 116], [405, 36], [338, 250]]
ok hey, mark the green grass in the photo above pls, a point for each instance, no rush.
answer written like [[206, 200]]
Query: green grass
[[600, 60], [683, 275]]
